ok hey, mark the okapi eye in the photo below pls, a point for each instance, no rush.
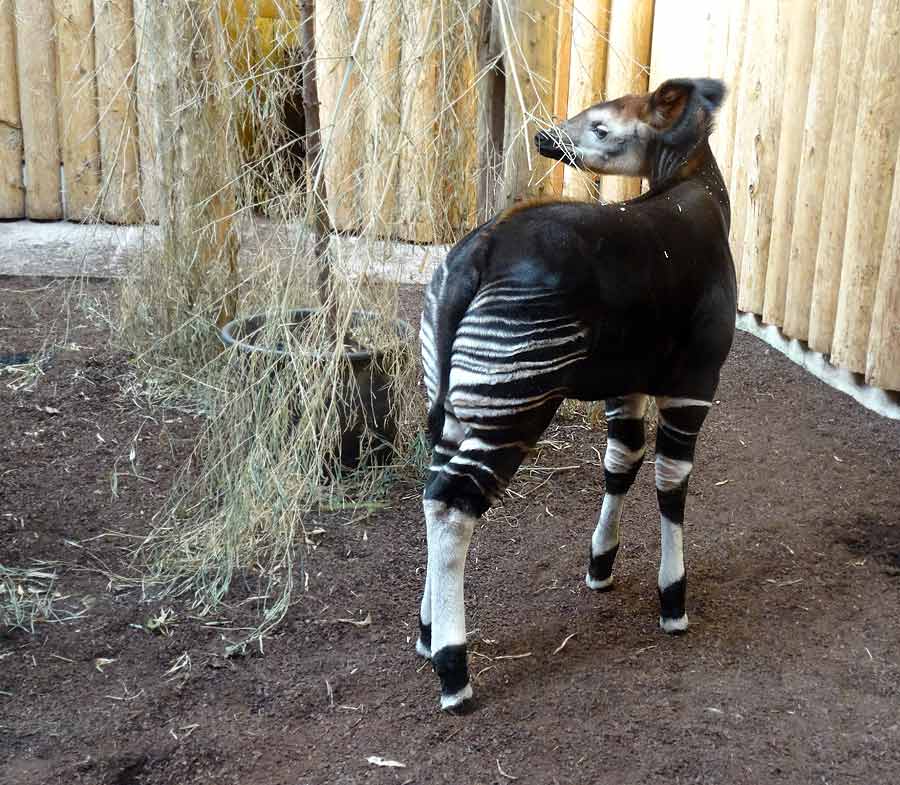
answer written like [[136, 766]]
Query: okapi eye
[[600, 131]]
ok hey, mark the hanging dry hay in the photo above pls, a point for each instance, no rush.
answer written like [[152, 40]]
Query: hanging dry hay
[[235, 216]]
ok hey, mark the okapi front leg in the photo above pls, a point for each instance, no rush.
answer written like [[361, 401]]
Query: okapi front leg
[[624, 454], [680, 420]]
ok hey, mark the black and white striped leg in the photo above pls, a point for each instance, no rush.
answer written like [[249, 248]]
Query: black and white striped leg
[[680, 420], [464, 482], [624, 454]]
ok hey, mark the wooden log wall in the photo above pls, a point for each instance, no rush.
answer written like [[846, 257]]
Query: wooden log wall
[[807, 139]]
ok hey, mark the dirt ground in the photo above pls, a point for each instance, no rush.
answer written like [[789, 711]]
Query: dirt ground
[[790, 672]]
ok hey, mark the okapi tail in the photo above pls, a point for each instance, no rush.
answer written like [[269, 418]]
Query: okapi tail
[[446, 302]]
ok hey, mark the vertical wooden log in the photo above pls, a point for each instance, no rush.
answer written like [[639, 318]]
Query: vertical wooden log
[[883, 360], [146, 140], [627, 71], [796, 88], [760, 116], [12, 188], [383, 101], [682, 33], [78, 114], [36, 56], [723, 136], [529, 30], [491, 109], [829, 253], [196, 152], [872, 174], [820, 112], [587, 78], [420, 177], [337, 23], [561, 83], [115, 57]]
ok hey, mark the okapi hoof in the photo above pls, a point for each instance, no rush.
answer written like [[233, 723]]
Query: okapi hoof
[[677, 626], [599, 575], [423, 642], [450, 664], [599, 585]]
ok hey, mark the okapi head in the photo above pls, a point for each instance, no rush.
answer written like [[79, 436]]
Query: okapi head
[[626, 136]]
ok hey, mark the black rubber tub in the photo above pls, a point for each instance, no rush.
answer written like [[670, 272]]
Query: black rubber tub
[[365, 389]]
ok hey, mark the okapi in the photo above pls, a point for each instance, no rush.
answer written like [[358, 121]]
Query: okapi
[[562, 299]]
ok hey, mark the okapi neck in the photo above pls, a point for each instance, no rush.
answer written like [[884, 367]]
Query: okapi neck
[[672, 164]]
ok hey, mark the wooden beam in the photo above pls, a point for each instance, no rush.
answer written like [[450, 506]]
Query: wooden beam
[[115, 58], [337, 22], [78, 116], [382, 126], [726, 126], [883, 358], [12, 188], [757, 151], [561, 83], [830, 250], [529, 33], [627, 71], [146, 112], [872, 174], [587, 79], [813, 169], [796, 88], [36, 57]]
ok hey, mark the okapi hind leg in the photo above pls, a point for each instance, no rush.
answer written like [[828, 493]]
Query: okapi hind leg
[[625, 445], [680, 420], [463, 484]]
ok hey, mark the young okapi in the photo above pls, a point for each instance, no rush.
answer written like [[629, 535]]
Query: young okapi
[[559, 299]]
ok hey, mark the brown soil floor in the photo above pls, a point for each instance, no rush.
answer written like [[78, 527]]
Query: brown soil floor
[[790, 672]]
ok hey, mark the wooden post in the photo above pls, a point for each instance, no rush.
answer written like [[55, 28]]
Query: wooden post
[[723, 137], [871, 178], [820, 113], [830, 251], [78, 115], [587, 78], [529, 32], [796, 88], [337, 22], [689, 40], [883, 360], [115, 57], [383, 103], [196, 150], [418, 189], [627, 71], [150, 194], [12, 189], [561, 83], [757, 148], [36, 55], [491, 109]]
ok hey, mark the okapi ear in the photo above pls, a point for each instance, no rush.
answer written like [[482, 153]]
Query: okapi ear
[[682, 108]]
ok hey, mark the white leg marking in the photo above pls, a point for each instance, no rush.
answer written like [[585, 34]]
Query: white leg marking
[[452, 701], [671, 562], [425, 610], [606, 535], [618, 459], [450, 532], [662, 402], [670, 473]]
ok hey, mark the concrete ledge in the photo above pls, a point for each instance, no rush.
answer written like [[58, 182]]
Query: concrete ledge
[[884, 403]]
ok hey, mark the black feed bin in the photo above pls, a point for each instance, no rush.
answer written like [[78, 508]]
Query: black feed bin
[[364, 391]]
